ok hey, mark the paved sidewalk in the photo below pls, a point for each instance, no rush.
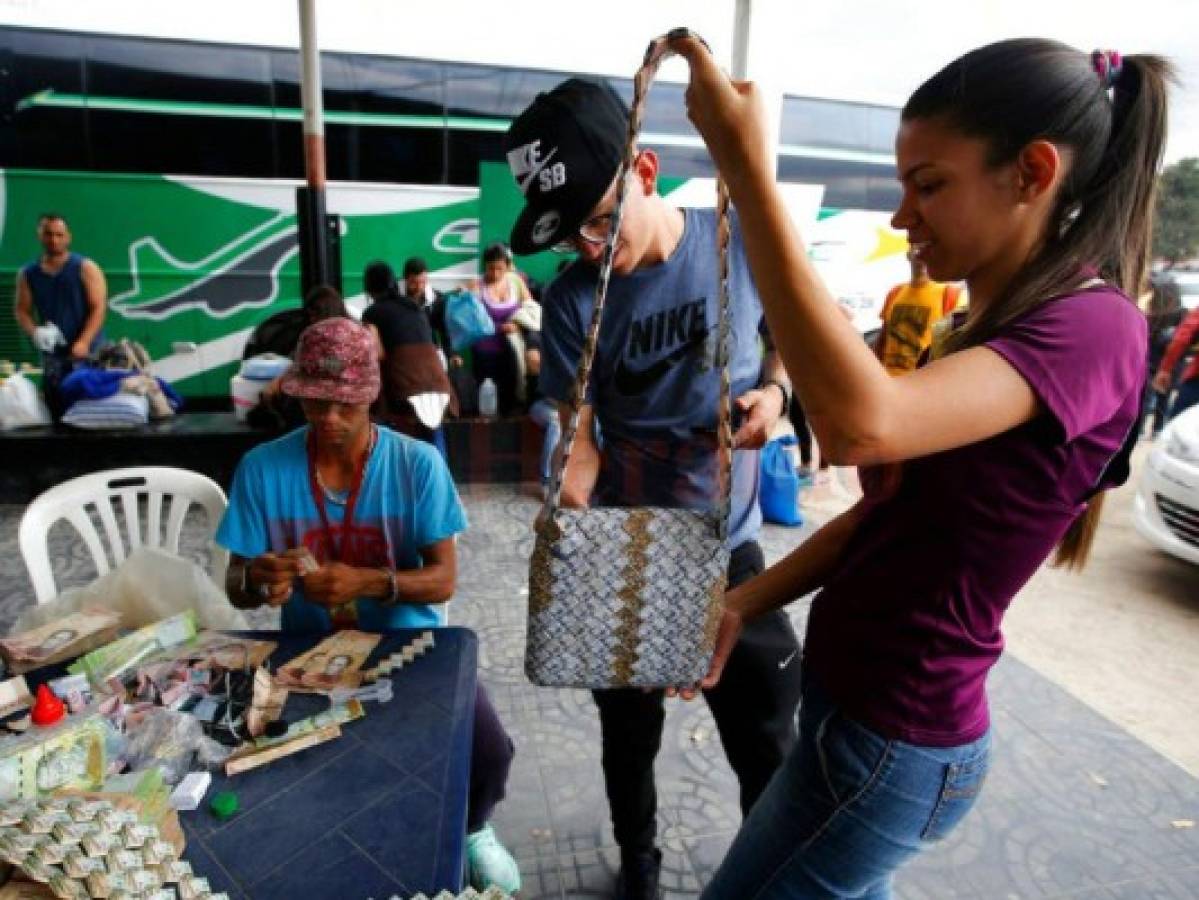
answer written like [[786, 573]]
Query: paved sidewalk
[[1075, 806]]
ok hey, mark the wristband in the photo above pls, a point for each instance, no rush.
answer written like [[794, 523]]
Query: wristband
[[784, 389], [393, 593]]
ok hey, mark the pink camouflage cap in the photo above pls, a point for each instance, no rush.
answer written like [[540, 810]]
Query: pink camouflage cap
[[335, 361]]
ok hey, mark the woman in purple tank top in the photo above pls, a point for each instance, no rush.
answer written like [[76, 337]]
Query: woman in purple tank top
[[1027, 170], [502, 292]]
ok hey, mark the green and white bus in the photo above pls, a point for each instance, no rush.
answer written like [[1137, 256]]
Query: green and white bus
[[176, 162]]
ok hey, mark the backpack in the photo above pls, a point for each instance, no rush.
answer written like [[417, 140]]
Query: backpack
[[278, 334]]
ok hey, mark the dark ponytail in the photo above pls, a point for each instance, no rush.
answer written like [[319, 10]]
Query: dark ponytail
[[1011, 93]]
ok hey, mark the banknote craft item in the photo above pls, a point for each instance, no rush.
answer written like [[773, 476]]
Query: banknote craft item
[[59, 640], [101, 851], [335, 662], [404, 656]]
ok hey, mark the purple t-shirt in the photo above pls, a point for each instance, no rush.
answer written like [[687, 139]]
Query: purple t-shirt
[[906, 629]]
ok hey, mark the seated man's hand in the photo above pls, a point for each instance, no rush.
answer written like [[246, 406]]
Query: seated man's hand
[[271, 576], [79, 350], [509, 328], [762, 408], [334, 584]]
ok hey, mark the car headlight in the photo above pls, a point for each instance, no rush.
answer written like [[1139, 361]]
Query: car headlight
[[1178, 446]]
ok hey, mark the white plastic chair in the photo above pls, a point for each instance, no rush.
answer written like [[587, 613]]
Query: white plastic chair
[[73, 500]]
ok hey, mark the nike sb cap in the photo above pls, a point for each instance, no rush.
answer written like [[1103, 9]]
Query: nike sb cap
[[564, 151]]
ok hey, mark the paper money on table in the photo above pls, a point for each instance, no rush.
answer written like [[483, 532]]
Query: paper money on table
[[224, 650], [67, 755], [335, 662], [131, 651], [266, 704], [14, 696], [59, 640]]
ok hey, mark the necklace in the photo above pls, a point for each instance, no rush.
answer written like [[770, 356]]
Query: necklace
[[339, 498]]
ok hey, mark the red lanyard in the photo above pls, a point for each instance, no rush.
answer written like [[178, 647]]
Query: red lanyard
[[336, 551]]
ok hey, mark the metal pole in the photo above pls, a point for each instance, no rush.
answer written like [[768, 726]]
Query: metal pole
[[746, 31], [742, 16], [311, 221], [310, 92]]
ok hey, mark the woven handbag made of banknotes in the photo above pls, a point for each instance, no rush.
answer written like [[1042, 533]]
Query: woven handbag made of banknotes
[[631, 597]]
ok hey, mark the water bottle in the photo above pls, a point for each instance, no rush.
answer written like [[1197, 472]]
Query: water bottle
[[487, 398]]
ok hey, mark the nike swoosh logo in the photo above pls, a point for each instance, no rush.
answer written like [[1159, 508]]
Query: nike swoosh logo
[[535, 171], [786, 662], [632, 382]]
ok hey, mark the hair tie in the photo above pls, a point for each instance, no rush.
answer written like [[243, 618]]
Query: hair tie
[[1108, 65]]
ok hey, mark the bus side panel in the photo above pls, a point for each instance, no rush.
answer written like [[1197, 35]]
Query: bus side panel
[[193, 264]]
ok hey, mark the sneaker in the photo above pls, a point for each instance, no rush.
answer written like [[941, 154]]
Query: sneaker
[[638, 878], [489, 862]]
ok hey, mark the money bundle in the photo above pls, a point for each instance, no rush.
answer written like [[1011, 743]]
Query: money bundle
[[116, 659]]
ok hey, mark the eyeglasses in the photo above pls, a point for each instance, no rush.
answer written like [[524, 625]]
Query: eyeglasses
[[594, 231]]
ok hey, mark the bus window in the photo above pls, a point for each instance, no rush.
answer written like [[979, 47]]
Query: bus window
[[486, 94], [402, 105], [44, 69], [157, 87]]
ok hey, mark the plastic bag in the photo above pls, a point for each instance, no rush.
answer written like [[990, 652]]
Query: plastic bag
[[466, 320], [779, 492], [20, 405], [151, 584], [172, 741]]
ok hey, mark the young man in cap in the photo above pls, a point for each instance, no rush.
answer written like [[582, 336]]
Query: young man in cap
[[378, 512], [654, 393]]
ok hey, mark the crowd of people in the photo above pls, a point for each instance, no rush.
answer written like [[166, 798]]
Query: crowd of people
[[1027, 172]]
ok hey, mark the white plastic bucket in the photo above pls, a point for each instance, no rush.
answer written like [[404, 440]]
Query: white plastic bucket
[[245, 392]]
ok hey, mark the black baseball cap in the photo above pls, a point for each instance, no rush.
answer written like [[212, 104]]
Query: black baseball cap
[[564, 151]]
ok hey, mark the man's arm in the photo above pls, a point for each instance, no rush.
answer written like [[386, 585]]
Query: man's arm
[[265, 579], [582, 469], [23, 308], [335, 584], [762, 407], [95, 291]]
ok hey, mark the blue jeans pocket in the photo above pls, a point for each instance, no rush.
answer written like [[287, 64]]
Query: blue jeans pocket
[[963, 781], [851, 757]]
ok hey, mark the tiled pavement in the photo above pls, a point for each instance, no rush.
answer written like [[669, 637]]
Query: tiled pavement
[[1074, 806]]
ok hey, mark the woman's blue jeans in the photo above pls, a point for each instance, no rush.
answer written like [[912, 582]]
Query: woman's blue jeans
[[846, 809]]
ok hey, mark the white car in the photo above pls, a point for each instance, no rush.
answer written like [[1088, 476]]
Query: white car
[[1188, 286], [1167, 503]]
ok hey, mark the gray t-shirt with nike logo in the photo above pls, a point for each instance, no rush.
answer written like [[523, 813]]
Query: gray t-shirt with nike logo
[[653, 386]]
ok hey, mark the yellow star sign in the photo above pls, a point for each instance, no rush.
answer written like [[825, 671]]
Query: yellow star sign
[[889, 243]]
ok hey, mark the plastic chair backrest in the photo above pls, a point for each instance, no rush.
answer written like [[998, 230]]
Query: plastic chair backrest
[[101, 493]]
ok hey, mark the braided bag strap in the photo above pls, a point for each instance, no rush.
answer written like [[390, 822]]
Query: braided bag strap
[[658, 51]]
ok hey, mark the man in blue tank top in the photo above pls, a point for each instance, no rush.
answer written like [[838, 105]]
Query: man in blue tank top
[[68, 293]]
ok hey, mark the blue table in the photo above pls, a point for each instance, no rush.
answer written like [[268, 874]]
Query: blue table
[[377, 813]]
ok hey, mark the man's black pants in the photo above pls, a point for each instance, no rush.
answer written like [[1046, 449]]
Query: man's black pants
[[754, 706]]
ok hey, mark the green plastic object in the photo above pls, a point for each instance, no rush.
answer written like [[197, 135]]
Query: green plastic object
[[224, 804]]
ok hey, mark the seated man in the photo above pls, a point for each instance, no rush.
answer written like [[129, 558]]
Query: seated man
[[378, 512]]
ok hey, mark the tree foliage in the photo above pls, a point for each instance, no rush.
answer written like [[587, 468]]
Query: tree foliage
[[1176, 232]]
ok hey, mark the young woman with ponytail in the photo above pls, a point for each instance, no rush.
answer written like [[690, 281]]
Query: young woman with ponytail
[[1028, 171]]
